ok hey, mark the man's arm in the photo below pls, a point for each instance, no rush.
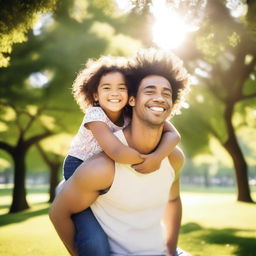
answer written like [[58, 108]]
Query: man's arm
[[78, 193], [173, 212]]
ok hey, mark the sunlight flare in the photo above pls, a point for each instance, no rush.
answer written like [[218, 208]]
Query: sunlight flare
[[170, 29]]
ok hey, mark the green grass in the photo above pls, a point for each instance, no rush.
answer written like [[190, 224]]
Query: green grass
[[214, 224]]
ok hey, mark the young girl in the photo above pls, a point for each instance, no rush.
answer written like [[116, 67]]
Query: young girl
[[102, 91]]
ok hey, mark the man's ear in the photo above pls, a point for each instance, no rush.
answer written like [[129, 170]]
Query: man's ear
[[132, 101]]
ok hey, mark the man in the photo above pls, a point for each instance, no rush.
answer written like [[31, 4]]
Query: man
[[130, 212]]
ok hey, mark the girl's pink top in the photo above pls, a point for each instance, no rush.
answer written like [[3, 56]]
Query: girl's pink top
[[84, 145]]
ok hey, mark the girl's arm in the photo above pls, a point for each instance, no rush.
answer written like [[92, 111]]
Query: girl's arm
[[170, 139], [112, 146]]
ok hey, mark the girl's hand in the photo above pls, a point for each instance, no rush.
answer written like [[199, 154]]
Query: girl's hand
[[151, 163]]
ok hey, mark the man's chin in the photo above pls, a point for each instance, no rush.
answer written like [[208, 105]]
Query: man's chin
[[156, 122]]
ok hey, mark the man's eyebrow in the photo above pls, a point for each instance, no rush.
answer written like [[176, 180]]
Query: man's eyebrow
[[149, 87], [154, 87]]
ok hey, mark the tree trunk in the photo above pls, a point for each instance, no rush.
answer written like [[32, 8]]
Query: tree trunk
[[206, 178], [19, 201], [54, 170], [241, 169]]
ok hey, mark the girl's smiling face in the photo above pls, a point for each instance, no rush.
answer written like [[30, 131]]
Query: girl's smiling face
[[112, 93]]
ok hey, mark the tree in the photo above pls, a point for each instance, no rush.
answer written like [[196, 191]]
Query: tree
[[16, 19], [24, 119], [226, 59], [54, 162]]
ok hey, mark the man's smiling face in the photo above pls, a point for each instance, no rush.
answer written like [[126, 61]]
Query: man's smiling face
[[153, 103]]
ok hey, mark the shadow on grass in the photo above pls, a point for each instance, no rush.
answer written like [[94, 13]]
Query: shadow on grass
[[11, 218], [246, 245]]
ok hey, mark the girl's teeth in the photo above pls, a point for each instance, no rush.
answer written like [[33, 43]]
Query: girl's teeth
[[115, 101]]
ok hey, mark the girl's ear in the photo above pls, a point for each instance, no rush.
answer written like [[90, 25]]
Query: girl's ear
[[132, 101], [95, 96]]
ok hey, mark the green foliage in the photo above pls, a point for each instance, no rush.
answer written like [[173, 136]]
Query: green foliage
[[16, 19], [250, 85], [203, 119]]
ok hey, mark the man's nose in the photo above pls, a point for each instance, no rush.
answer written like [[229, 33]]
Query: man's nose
[[159, 98]]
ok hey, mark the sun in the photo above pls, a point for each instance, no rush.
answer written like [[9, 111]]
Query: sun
[[169, 30]]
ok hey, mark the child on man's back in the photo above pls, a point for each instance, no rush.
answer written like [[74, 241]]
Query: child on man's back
[[101, 89]]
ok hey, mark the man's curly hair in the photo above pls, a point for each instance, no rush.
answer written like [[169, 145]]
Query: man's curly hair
[[87, 81], [158, 62]]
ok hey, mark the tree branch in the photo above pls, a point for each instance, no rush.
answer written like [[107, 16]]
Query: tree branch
[[32, 119], [12, 106], [37, 138], [6, 147], [245, 97], [246, 72]]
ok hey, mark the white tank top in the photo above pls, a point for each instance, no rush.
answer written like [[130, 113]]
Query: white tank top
[[131, 211]]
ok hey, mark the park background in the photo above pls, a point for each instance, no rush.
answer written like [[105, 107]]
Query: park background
[[43, 44]]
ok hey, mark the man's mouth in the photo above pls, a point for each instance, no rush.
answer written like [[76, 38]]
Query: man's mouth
[[157, 109]]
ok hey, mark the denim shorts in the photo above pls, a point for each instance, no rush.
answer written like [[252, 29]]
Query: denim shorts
[[70, 164]]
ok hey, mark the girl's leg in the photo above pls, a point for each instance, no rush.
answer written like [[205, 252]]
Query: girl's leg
[[70, 165], [90, 238]]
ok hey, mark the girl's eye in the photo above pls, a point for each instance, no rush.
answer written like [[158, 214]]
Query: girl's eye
[[122, 88], [105, 88]]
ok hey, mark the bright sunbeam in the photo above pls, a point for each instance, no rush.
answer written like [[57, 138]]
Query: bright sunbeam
[[124, 6], [169, 29]]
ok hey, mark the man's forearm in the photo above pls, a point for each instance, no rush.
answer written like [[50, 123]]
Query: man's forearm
[[172, 221], [65, 229]]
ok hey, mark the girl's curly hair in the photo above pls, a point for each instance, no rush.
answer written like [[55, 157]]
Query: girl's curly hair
[[87, 81], [158, 62]]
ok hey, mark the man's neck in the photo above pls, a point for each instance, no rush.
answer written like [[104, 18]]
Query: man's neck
[[142, 137]]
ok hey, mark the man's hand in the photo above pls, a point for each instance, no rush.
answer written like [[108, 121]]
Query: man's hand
[[151, 163]]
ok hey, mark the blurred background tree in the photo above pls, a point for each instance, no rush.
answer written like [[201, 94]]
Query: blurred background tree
[[16, 19], [223, 67]]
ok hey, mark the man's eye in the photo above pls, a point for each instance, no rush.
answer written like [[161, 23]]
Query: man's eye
[[168, 95], [149, 92]]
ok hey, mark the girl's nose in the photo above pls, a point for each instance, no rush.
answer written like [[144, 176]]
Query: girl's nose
[[114, 92]]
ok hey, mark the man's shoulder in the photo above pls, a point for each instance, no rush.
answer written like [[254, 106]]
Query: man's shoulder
[[177, 159]]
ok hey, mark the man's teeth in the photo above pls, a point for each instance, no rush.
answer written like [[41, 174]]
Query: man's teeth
[[159, 109], [115, 101]]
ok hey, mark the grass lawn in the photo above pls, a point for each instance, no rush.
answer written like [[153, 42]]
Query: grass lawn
[[214, 224]]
